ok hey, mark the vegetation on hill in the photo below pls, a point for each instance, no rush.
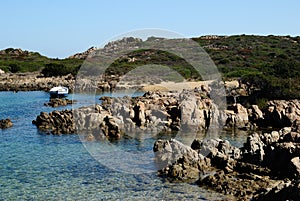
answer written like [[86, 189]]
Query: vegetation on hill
[[268, 63], [17, 60], [158, 57]]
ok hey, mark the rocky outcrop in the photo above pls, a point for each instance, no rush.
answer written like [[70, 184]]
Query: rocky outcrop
[[33, 82], [237, 117], [267, 165], [16, 52], [122, 44], [277, 115], [282, 191], [5, 123], [282, 113], [56, 122], [185, 160], [55, 102], [155, 112], [85, 54]]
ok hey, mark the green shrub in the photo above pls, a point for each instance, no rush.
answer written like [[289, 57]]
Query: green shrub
[[54, 69], [262, 103], [14, 68]]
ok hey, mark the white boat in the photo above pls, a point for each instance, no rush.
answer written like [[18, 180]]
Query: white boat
[[59, 92]]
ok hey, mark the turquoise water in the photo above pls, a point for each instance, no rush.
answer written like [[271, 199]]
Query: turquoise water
[[36, 166]]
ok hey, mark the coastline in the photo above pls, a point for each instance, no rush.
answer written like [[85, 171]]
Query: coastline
[[267, 165], [248, 161], [33, 82]]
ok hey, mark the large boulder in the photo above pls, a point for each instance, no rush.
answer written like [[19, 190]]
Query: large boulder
[[282, 159], [176, 160], [237, 117], [110, 128], [255, 115], [190, 114], [56, 122], [253, 149]]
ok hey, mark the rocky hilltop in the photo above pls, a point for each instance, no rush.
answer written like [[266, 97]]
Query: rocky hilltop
[[16, 52], [83, 55]]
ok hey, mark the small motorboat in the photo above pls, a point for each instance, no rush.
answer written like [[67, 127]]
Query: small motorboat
[[59, 92]]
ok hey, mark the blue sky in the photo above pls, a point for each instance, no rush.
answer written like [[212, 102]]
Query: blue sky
[[60, 28]]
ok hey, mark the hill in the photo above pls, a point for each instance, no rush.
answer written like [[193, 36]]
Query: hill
[[269, 63], [17, 60], [264, 63]]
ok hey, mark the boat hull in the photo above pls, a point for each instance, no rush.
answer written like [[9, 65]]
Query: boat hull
[[58, 95], [58, 92]]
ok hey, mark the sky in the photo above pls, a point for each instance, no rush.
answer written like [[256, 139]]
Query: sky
[[60, 28]]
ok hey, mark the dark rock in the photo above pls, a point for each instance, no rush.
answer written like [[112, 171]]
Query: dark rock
[[58, 122], [110, 128], [255, 114], [176, 160], [279, 159], [253, 149], [284, 190], [55, 102], [282, 113], [291, 137], [5, 123]]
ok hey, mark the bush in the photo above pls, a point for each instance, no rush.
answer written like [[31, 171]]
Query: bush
[[53, 69], [262, 103], [14, 68]]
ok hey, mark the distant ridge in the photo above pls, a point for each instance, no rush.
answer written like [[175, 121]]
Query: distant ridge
[[83, 55]]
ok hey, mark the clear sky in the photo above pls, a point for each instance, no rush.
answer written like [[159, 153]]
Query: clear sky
[[60, 28]]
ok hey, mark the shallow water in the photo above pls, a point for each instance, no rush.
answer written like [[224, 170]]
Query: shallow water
[[36, 166]]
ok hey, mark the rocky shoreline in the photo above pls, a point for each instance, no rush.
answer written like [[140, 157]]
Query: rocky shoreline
[[37, 82], [260, 170], [33, 82], [267, 166]]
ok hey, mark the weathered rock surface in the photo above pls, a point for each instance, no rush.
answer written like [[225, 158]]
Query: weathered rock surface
[[173, 151], [83, 55], [5, 123], [155, 112], [282, 113], [277, 114], [55, 102], [56, 122], [284, 190], [267, 165], [33, 82], [237, 116]]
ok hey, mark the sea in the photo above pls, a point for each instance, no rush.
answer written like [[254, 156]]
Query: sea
[[37, 166]]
